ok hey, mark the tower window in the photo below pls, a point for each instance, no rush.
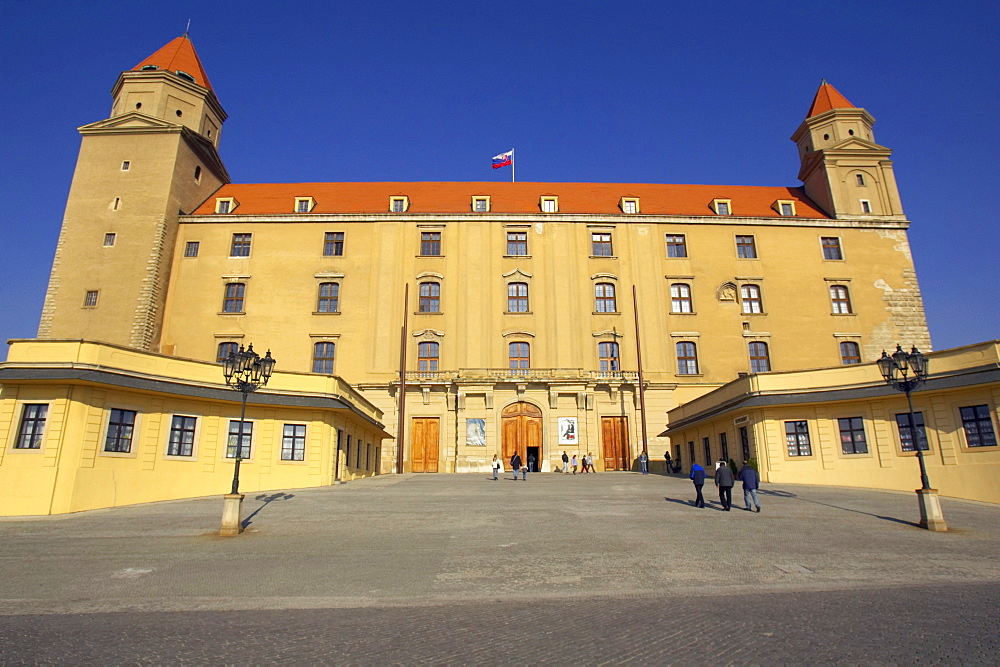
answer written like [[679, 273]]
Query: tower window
[[859, 179], [680, 298], [430, 298], [687, 358], [241, 245], [746, 248], [225, 351], [517, 243], [604, 298], [191, 248], [186, 76], [232, 301], [430, 244], [126, 164], [90, 299], [323, 356], [149, 68], [840, 300], [850, 353], [427, 356], [517, 297], [138, 105], [329, 298], [831, 247], [752, 302], [179, 113], [333, 244], [118, 202], [600, 245], [760, 360], [109, 240], [607, 356], [197, 173], [518, 355], [866, 206]]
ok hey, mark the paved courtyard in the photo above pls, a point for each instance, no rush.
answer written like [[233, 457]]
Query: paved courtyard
[[591, 569]]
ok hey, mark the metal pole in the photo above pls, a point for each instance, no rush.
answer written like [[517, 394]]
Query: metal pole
[[924, 482], [401, 425], [642, 389], [239, 444]]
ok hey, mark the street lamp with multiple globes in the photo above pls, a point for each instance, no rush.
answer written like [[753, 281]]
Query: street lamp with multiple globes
[[904, 371], [245, 371]]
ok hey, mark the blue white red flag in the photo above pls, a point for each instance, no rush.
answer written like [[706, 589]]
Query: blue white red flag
[[503, 159]]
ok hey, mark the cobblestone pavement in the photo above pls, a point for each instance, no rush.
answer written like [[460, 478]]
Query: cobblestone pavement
[[605, 568]]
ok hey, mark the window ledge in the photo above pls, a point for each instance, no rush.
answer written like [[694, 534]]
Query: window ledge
[[518, 312], [691, 313], [320, 312], [517, 257], [429, 256], [844, 314], [604, 256], [689, 375], [428, 312], [179, 457], [616, 312], [118, 455], [225, 313], [754, 314]]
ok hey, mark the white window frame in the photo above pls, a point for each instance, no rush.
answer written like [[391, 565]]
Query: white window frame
[[229, 203], [548, 204], [309, 202], [402, 200]]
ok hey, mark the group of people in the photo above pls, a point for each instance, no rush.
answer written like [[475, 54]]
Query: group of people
[[515, 464], [587, 462], [725, 480]]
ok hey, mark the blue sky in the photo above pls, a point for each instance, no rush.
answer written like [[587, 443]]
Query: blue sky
[[585, 91]]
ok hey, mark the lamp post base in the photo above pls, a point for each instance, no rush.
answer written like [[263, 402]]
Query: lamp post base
[[931, 516], [232, 506]]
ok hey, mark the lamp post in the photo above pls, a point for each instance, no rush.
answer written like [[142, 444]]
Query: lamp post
[[245, 371], [904, 371]]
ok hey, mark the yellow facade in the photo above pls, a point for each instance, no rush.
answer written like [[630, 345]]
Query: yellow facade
[[962, 456], [61, 462]]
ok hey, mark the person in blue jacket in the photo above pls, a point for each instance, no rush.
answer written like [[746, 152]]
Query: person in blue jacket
[[751, 482], [698, 477]]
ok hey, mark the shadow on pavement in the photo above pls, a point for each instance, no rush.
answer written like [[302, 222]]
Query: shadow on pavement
[[266, 500], [788, 494], [690, 503]]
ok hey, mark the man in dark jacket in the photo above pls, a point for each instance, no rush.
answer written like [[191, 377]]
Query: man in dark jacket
[[515, 464], [751, 481], [698, 477], [724, 480]]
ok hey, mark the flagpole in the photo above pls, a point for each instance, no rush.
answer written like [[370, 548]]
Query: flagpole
[[511, 165]]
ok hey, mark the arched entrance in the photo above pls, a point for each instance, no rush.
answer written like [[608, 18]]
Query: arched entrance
[[521, 432]]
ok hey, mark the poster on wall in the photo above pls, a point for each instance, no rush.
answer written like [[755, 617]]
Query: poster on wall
[[475, 432], [567, 431]]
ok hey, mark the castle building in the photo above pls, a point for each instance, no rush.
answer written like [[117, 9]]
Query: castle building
[[519, 312]]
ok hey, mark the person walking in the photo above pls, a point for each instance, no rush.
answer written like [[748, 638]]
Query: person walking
[[590, 462], [574, 464], [698, 477], [666, 457], [515, 464], [497, 467], [644, 462], [531, 463], [751, 482], [724, 480], [565, 460]]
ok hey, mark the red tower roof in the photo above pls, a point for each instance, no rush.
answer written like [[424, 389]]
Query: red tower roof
[[828, 97], [179, 54]]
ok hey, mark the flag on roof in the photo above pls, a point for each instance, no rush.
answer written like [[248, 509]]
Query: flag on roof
[[503, 159]]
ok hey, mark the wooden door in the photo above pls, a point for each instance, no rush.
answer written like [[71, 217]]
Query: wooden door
[[614, 440], [425, 434], [521, 427]]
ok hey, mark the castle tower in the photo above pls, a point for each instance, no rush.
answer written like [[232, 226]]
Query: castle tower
[[844, 171], [153, 159]]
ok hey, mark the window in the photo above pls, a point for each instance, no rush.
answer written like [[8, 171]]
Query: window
[[118, 201], [722, 206], [191, 248], [333, 244], [226, 205], [831, 248], [235, 439], [752, 302], [840, 300], [906, 434], [29, 434], [676, 245], [607, 354], [329, 298], [232, 302], [293, 442], [241, 245], [323, 355], [866, 206], [630, 205], [859, 179], [850, 353], [797, 438], [706, 446], [785, 208], [518, 355], [90, 298], [852, 435], [745, 442], [549, 204], [687, 358], [120, 426], [604, 298], [724, 446], [517, 297], [978, 426], [680, 298], [399, 204], [109, 240], [481, 204], [517, 243], [197, 169], [430, 244], [745, 247], [760, 362], [427, 356], [126, 165], [600, 245], [430, 298], [304, 204], [181, 441], [225, 351]]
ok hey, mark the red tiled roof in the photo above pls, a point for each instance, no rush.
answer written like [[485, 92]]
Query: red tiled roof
[[179, 54], [456, 197], [828, 97]]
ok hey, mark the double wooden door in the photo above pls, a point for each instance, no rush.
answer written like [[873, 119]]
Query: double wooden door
[[521, 430], [614, 442], [426, 435]]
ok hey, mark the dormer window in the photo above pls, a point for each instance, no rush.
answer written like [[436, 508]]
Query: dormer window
[[481, 204], [399, 204], [784, 207], [186, 76], [722, 206], [304, 204], [149, 68], [629, 205], [225, 205], [549, 204]]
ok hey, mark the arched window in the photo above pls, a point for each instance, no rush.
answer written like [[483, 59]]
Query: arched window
[[840, 300], [604, 298], [430, 298], [687, 358], [850, 353], [329, 298], [225, 350], [517, 297], [323, 354], [760, 362], [427, 356], [607, 354], [752, 302], [518, 355], [680, 298]]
